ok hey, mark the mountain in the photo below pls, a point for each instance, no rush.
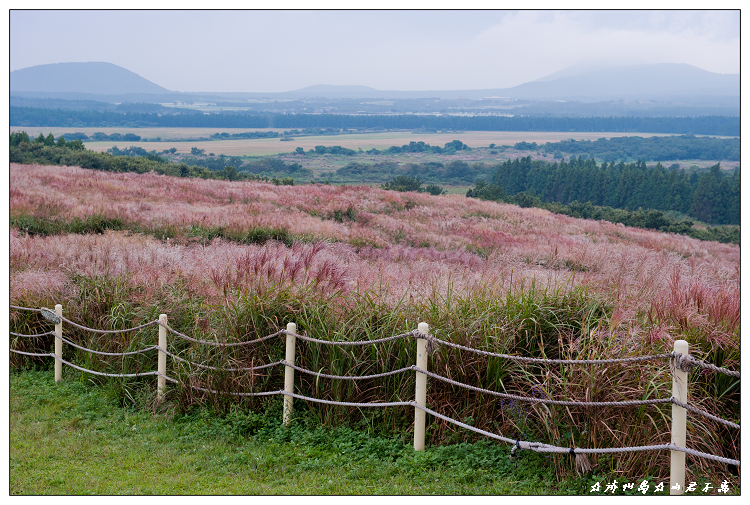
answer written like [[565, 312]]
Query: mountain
[[97, 78], [655, 90], [643, 82]]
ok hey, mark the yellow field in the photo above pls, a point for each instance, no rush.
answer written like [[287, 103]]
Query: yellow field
[[265, 147], [171, 133]]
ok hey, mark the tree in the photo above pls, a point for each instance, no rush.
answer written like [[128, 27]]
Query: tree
[[18, 137], [434, 189], [197, 152], [230, 173], [457, 169], [403, 183], [299, 150], [456, 144], [485, 191], [710, 197], [75, 145], [61, 142]]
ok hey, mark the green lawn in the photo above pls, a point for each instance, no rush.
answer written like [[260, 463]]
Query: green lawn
[[75, 438]]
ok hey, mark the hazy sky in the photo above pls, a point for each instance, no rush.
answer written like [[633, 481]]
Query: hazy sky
[[389, 50]]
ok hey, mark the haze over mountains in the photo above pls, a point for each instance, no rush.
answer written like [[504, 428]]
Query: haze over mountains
[[670, 83]]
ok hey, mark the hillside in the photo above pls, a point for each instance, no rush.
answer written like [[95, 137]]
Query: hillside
[[412, 239], [232, 261], [98, 78]]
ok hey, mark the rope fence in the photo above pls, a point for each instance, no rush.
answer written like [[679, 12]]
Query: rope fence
[[681, 365]]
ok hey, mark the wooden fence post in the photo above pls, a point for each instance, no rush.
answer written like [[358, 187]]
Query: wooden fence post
[[289, 372], [58, 343], [679, 422], [161, 381], [420, 395]]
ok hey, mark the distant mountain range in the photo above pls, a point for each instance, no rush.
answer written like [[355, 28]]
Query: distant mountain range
[[666, 81]]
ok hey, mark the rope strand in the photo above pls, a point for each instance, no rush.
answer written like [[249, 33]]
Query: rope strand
[[32, 336]]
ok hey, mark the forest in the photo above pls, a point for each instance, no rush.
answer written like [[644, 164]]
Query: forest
[[712, 197], [703, 125], [683, 147]]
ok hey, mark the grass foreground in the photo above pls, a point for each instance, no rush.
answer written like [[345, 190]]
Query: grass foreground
[[70, 438], [74, 438]]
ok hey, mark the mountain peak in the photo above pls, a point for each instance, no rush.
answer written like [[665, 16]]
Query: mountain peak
[[646, 81], [98, 77]]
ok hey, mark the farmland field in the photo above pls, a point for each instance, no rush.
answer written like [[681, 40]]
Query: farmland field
[[267, 147], [237, 260]]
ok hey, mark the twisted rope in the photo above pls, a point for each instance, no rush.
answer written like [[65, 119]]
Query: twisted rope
[[170, 379], [346, 377], [32, 336], [220, 344], [357, 342], [262, 393], [107, 353], [686, 363], [539, 447], [704, 413], [246, 369], [345, 404], [25, 308], [102, 373], [107, 331], [626, 403], [546, 360], [30, 353]]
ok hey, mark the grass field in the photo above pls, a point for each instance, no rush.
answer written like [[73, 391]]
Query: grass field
[[74, 438]]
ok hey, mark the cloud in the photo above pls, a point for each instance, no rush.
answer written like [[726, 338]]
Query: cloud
[[545, 42]]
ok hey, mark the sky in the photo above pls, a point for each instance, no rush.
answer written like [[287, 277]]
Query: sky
[[271, 51]]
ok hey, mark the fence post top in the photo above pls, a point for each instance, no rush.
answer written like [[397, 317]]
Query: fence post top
[[424, 328], [291, 327], [162, 318], [58, 309], [681, 346]]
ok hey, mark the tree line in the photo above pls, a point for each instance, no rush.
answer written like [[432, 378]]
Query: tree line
[[702, 125], [641, 218], [683, 147], [712, 196]]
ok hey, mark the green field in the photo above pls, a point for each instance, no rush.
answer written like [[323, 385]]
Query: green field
[[71, 438]]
